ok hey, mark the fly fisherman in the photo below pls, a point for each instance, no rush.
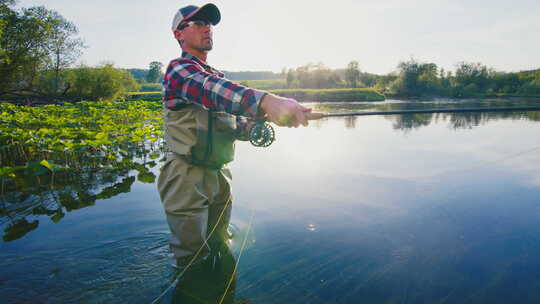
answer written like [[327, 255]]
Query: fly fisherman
[[204, 114]]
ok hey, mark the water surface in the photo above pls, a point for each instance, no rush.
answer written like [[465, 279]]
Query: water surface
[[428, 208]]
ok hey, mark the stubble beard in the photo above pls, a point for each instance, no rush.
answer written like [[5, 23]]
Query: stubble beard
[[207, 46]]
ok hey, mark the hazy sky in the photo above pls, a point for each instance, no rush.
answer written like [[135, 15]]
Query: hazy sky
[[272, 34]]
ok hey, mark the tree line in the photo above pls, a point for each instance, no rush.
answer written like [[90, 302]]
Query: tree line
[[38, 50], [318, 76], [415, 79], [469, 79]]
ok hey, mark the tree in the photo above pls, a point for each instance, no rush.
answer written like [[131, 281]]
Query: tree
[[33, 40], [4, 11], [416, 79], [290, 78], [384, 82], [316, 76], [63, 46], [22, 45], [471, 78], [154, 73], [352, 74]]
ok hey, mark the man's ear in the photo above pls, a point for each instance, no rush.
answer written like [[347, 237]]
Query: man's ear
[[179, 35]]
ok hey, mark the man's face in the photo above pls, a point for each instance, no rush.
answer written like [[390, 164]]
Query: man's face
[[196, 35]]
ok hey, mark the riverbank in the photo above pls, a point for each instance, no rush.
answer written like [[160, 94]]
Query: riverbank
[[331, 94], [477, 96], [299, 94]]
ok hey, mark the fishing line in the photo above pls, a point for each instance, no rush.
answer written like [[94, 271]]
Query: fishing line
[[487, 163], [176, 280], [239, 256]]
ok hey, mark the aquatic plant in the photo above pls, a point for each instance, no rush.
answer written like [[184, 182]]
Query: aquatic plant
[[59, 158]]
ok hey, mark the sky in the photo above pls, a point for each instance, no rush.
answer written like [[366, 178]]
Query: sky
[[269, 35]]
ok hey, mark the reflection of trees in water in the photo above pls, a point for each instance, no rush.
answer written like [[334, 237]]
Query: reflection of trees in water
[[350, 122], [469, 120], [30, 195], [408, 122]]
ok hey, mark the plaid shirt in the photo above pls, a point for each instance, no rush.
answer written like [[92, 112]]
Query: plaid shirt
[[188, 80]]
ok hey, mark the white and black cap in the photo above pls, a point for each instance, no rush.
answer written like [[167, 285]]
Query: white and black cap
[[208, 12]]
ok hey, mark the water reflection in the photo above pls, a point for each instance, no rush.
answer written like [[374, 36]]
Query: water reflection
[[212, 280], [417, 209], [36, 192], [408, 122], [386, 211]]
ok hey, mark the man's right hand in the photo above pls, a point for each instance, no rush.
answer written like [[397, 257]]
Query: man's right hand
[[284, 112]]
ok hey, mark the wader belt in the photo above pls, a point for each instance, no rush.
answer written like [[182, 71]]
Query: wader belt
[[189, 159]]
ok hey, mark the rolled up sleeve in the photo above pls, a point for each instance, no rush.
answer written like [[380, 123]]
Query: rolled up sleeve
[[187, 82]]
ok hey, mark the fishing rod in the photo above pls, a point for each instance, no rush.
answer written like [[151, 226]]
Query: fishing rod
[[262, 134], [312, 116]]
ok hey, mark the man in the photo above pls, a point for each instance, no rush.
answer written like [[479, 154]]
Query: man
[[204, 113]]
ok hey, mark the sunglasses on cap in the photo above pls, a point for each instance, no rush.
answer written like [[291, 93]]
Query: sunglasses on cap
[[196, 23]]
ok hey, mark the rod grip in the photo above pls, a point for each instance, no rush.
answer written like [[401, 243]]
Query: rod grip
[[314, 115]]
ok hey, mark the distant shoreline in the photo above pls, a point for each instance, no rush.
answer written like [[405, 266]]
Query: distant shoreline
[[344, 95], [302, 95]]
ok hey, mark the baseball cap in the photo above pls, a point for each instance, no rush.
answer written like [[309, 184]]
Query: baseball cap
[[208, 12]]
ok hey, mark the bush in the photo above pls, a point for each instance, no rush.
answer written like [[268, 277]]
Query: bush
[[104, 83], [49, 84], [530, 88], [148, 96], [151, 87]]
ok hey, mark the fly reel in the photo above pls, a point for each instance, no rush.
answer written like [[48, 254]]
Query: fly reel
[[262, 134]]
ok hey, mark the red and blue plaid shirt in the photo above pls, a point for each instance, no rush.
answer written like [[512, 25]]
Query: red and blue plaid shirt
[[189, 80]]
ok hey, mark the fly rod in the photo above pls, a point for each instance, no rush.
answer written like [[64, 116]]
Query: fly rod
[[314, 115], [263, 135]]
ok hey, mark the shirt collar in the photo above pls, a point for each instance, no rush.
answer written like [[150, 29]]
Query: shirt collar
[[188, 56]]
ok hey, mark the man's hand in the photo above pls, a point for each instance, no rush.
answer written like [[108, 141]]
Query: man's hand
[[284, 112]]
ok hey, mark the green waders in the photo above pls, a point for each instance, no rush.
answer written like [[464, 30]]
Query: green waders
[[194, 183]]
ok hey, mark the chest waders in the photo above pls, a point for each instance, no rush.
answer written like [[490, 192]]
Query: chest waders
[[201, 137]]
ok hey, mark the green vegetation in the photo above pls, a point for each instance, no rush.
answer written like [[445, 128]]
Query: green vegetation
[[59, 158], [353, 74], [299, 94], [252, 75], [268, 84], [151, 87], [151, 96], [74, 136], [34, 40], [313, 76], [37, 50], [469, 80], [331, 94], [154, 72], [138, 74], [104, 83]]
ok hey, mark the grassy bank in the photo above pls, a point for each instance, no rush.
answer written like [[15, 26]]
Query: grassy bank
[[331, 94], [150, 96], [299, 94], [269, 84], [478, 95]]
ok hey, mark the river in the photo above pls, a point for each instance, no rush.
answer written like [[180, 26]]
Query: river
[[426, 208]]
